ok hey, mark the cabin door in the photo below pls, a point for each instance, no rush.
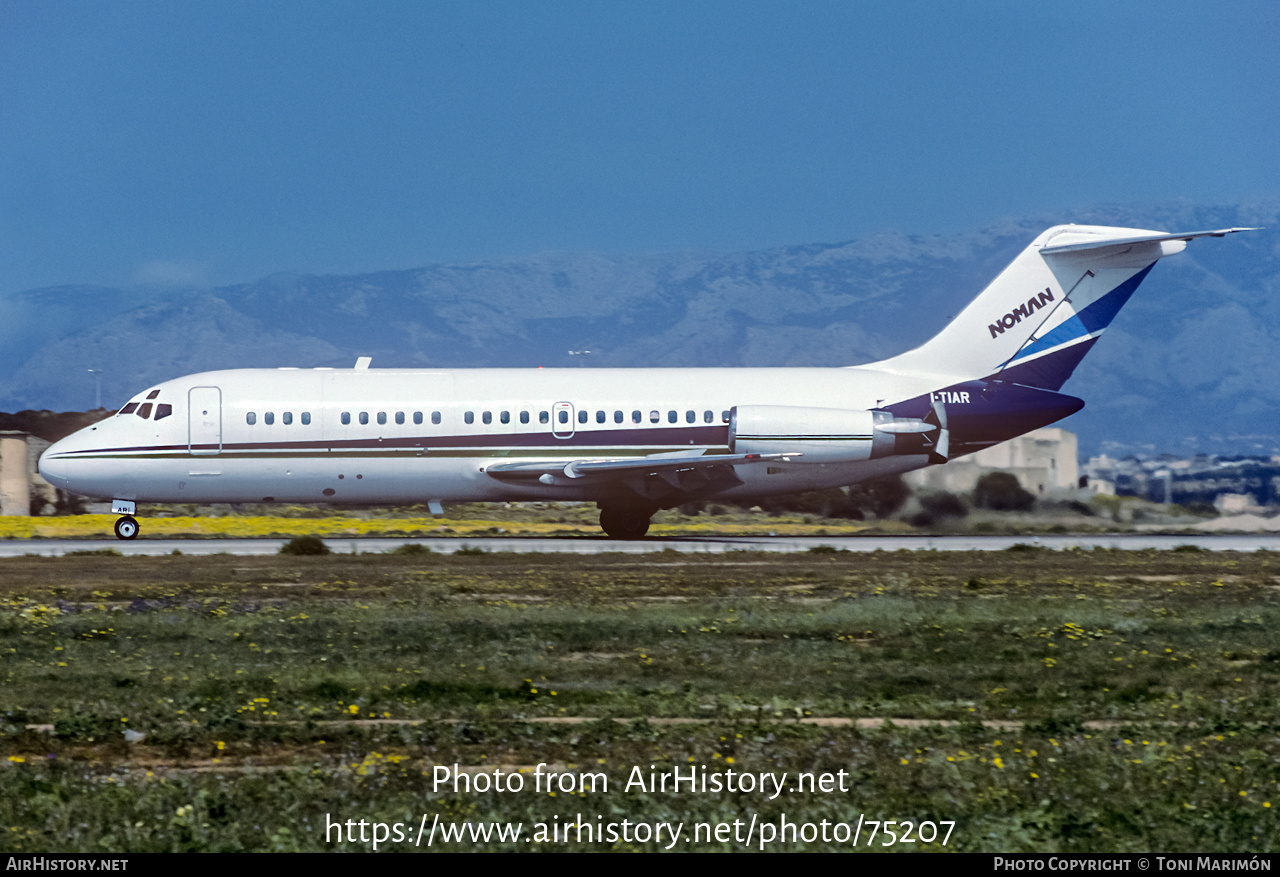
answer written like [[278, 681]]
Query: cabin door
[[204, 421]]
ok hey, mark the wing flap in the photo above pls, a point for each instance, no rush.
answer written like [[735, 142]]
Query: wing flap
[[549, 471]]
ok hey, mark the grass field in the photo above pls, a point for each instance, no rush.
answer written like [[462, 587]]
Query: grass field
[[1043, 701]]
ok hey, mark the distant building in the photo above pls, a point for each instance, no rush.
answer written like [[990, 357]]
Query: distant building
[[20, 482], [1044, 462]]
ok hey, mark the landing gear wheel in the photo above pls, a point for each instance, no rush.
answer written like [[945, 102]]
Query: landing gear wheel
[[127, 527], [624, 523]]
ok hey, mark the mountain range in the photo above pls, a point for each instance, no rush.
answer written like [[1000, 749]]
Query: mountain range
[[1190, 365]]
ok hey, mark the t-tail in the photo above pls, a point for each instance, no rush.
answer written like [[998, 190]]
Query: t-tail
[[1035, 322]]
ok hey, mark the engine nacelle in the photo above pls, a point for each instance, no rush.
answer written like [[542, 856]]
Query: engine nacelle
[[821, 435]]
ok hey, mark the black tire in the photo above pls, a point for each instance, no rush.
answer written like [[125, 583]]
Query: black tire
[[127, 527], [624, 523]]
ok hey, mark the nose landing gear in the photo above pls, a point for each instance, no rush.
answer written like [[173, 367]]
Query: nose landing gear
[[127, 527]]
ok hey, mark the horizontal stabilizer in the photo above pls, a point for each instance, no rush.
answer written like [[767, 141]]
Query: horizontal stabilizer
[[1097, 242]]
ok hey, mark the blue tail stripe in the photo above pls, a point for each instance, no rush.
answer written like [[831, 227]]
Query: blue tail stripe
[[1094, 318]]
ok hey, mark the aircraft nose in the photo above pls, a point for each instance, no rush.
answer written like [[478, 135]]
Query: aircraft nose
[[55, 467]]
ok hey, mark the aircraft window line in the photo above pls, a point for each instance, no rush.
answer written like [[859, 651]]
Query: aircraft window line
[[524, 416], [505, 417], [617, 417], [545, 417], [672, 417], [306, 418], [655, 416], [469, 417], [345, 418], [600, 416], [251, 418], [487, 417], [400, 417], [382, 418], [691, 417], [286, 418], [435, 417], [582, 416], [268, 418], [708, 417], [163, 410], [637, 417]]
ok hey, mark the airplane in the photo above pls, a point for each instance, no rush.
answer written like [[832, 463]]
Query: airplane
[[631, 440]]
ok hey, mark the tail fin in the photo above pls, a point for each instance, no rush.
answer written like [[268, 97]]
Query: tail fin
[[1035, 322]]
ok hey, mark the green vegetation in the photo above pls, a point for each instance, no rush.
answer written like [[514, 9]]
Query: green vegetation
[[305, 546], [1046, 701]]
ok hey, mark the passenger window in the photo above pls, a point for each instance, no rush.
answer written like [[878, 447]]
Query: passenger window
[[163, 410], [524, 416], [544, 417], [346, 418], [672, 417], [145, 411], [582, 416], [708, 417], [691, 417], [637, 417], [599, 417], [364, 417], [417, 417], [724, 415], [400, 417], [382, 418], [306, 418], [469, 417], [130, 408], [153, 394], [654, 417], [251, 418], [617, 417], [435, 417], [487, 417], [564, 416], [286, 418], [505, 417], [268, 418]]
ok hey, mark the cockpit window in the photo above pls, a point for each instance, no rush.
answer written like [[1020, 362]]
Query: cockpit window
[[163, 410], [145, 411], [153, 394], [130, 408]]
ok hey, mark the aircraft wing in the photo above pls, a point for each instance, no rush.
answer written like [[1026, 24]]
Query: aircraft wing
[[558, 472]]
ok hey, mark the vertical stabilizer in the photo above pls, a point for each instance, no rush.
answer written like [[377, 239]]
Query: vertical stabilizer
[[1035, 322]]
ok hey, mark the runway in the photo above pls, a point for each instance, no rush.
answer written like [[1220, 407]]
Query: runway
[[715, 545]]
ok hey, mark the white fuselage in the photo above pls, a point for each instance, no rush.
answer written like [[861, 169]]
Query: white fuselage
[[402, 436]]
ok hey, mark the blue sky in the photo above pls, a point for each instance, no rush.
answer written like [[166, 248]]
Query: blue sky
[[217, 142]]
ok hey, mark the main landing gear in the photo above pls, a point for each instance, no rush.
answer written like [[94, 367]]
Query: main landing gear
[[625, 522]]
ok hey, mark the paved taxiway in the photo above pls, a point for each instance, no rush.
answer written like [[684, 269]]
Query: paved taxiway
[[58, 547]]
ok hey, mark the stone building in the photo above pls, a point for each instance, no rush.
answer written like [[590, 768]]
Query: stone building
[[21, 487], [1044, 462]]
